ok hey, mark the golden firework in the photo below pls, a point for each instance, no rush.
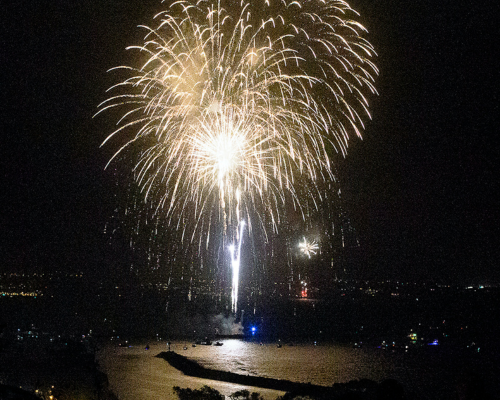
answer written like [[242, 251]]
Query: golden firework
[[239, 106]]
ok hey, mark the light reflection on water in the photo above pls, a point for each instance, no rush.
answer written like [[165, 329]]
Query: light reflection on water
[[320, 365], [136, 373]]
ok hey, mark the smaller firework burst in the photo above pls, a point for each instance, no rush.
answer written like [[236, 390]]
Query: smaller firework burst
[[308, 248]]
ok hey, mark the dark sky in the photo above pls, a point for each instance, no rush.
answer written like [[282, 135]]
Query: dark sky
[[419, 187], [423, 179]]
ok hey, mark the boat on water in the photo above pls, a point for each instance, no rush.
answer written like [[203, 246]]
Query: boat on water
[[204, 342], [218, 344]]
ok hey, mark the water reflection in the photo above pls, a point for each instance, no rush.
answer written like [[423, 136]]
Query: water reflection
[[320, 365], [134, 372]]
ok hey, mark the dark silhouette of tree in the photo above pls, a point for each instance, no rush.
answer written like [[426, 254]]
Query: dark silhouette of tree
[[245, 395], [208, 393], [205, 393]]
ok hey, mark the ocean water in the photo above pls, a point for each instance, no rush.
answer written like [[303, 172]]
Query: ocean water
[[430, 373], [320, 365]]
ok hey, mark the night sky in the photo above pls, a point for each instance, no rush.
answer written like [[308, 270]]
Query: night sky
[[419, 188]]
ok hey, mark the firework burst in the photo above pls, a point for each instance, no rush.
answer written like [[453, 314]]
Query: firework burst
[[308, 248], [238, 108]]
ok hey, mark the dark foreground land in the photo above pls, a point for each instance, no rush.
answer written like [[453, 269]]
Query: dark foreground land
[[65, 369]]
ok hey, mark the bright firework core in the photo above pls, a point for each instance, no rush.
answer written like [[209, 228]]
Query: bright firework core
[[235, 266], [308, 248]]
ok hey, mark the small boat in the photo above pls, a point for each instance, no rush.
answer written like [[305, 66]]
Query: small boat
[[205, 342], [218, 344]]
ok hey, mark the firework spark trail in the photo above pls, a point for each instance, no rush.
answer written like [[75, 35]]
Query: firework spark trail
[[235, 265], [238, 106]]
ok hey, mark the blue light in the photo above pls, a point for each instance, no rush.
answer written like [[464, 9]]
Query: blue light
[[254, 329]]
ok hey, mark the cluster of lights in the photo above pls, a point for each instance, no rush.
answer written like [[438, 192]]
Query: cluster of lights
[[22, 294], [45, 393]]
